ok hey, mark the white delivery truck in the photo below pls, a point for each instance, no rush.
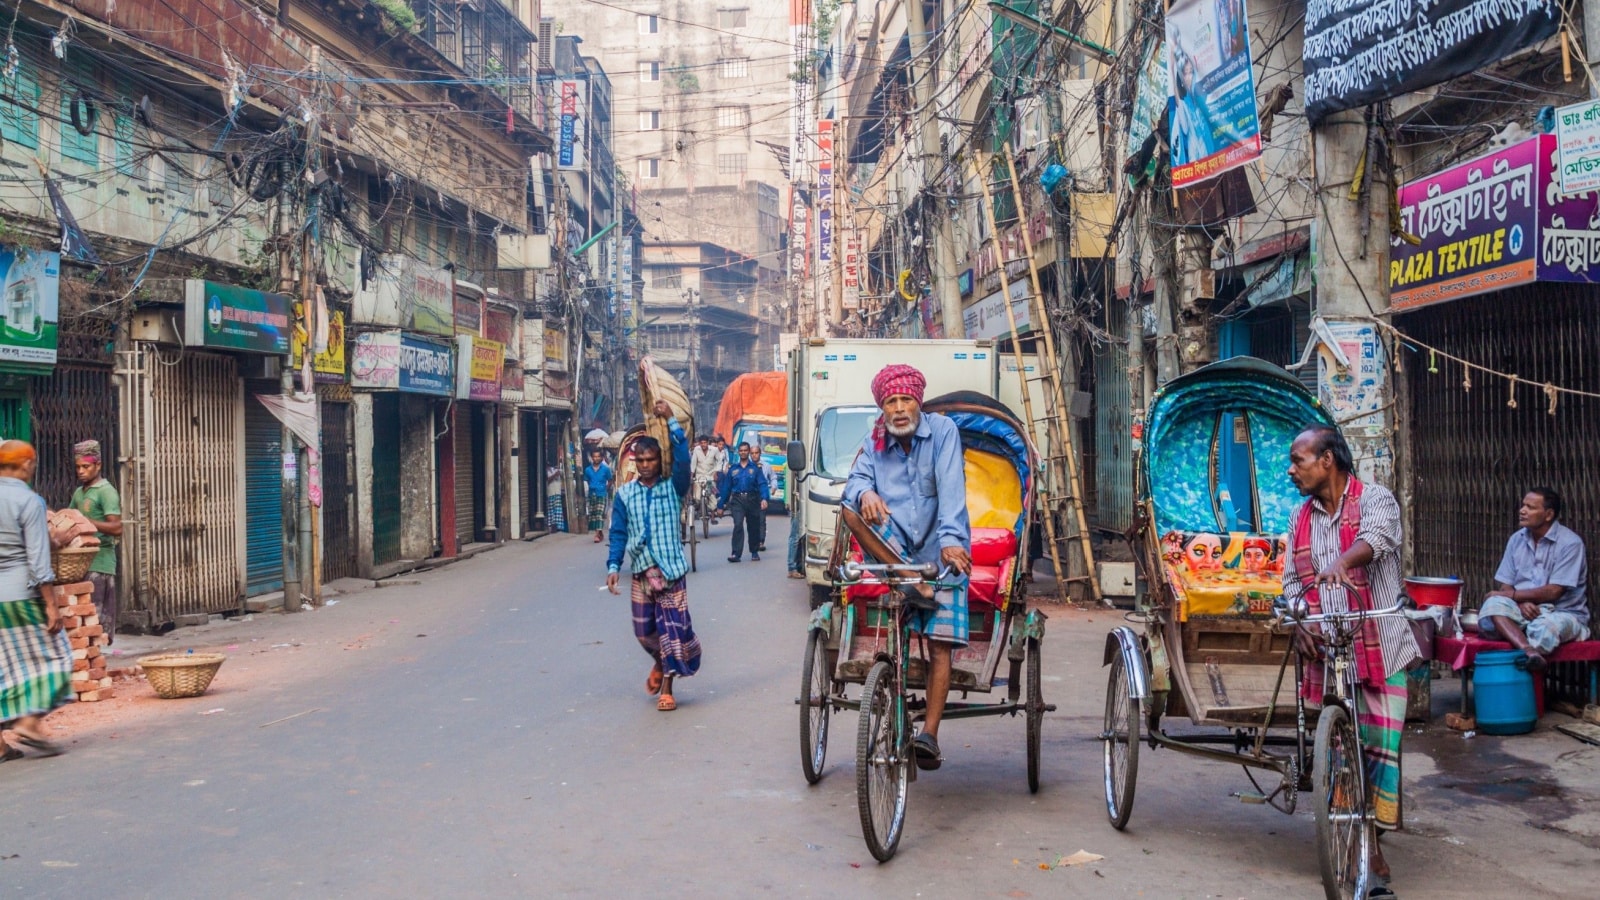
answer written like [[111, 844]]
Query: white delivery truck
[[831, 412]]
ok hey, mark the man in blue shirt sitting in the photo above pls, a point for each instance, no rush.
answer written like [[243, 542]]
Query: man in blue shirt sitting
[[909, 478], [1540, 598], [744, 492]]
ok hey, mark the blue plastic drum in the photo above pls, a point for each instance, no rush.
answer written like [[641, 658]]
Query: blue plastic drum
[[1504, 693]]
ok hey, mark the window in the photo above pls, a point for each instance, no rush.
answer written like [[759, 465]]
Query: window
[[735, 67], [80, 113], [732, 18], [732, 163], [649, 120], [667, 277], [730, 117], [122, 143], [650, 71], [650, 168], [219, 190], [18, 125], [649, 24], [175, 179]]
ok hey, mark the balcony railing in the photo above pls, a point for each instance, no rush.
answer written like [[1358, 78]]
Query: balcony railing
[[490, 45]]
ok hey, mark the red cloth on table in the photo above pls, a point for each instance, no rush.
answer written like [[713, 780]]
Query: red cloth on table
[[1460, 652]]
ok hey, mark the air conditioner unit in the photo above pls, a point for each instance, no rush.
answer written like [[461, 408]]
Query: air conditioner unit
[[547, 46]]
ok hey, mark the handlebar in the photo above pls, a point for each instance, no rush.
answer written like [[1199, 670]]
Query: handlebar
[[1299, 614], [894, 573]]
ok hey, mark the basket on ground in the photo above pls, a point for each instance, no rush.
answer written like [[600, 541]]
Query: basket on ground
[[178, 675], [71, 564]]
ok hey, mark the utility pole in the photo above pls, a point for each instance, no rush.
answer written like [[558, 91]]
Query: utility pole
[[924, 84], [691, 297]]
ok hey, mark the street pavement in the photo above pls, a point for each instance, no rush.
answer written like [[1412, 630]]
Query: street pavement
[[483, 728]]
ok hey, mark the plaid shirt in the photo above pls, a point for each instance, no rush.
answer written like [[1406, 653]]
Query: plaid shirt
[[644, 520]]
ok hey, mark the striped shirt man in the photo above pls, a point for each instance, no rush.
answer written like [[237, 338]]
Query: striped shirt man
[[1380, 528]]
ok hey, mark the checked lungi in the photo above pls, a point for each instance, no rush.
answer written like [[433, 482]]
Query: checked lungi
[[595, 506], [35, 665], [661, 623], [1380, 721]]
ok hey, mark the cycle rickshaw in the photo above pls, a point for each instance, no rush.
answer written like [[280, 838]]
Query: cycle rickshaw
[[860, 637], [1210, 536]]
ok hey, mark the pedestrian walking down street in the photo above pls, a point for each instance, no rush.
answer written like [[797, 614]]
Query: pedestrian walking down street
[[772, 488], [101, 504], [35, 657], [597, 479], [644, 534], [744, 493]]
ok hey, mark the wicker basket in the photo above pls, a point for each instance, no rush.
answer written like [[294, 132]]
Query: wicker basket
[[71, 564], [177, 675]]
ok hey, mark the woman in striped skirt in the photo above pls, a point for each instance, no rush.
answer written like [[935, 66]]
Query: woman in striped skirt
[[35, 658]]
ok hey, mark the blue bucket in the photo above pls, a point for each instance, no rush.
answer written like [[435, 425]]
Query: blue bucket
[[1504, 693]]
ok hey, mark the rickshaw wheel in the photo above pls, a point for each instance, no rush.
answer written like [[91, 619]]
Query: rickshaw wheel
[[883, 763], [705, 523], [1034, 713], [1339, 786], [816, 685], [692, 542], [1121, 737]]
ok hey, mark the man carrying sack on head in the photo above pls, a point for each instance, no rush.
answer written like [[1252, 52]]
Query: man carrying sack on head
[[101, 504]]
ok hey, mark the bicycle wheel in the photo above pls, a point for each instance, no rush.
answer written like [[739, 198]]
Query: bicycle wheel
[[883, 765], [1339, 785], [705, 520], [1035, 713], [816, 683], [1121, 736]]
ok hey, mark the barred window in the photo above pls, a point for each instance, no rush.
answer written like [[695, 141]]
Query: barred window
[[735, 67], [732, 163]]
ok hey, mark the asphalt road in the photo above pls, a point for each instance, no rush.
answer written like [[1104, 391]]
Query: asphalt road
[[494, 736]]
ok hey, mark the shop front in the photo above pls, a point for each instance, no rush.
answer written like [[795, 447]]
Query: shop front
[[479, 363], [337, 524], [1497, 313]]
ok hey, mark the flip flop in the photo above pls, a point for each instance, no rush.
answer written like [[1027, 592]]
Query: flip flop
[[1532, 662], [926, 750], [8, 752], [666, 703], [1381, 892], [653, 683], [43, 746]]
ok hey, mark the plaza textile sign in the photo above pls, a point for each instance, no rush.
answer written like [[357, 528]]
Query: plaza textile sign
[[1358, 52], [226, 317], [1495, 222], [1212, 90], [30, 305]]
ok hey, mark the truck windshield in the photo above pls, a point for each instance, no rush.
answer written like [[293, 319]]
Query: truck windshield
[[840, 434]]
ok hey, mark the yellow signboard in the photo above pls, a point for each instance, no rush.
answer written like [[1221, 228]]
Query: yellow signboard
[[328, 366]]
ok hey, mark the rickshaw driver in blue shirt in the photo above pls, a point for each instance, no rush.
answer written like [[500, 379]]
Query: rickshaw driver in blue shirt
[[909, 476]]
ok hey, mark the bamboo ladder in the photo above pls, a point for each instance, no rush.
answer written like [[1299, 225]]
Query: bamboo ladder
[[1061, 459]]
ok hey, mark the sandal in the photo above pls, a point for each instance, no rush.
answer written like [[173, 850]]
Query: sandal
[[926, 750], [8, 752], [666, 703], [1381, 892], [44, 746], [653, 683]]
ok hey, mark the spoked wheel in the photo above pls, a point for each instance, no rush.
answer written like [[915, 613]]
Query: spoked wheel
[[816, 683], [1343, 833], [1121, 736], [705, 521], [883, 763], [1035, 713], [691, 540]]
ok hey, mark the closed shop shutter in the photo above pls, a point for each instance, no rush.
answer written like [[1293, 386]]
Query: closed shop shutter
[[385, 478], [338, 512], [263, 486], [466, 474], [76, 402], [527, 452], [1113, 429]]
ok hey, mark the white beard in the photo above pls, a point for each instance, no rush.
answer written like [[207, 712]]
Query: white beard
[[907, 431]]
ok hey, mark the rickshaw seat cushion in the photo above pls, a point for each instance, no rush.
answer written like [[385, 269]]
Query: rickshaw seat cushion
[[985, 584], [993, 546]]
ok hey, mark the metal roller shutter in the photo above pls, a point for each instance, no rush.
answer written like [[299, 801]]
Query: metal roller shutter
[[385, 478], [263, 486], [466, 472], [527, 450], [338, 512]]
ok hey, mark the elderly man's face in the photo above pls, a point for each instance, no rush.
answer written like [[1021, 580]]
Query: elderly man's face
[[901, 415]]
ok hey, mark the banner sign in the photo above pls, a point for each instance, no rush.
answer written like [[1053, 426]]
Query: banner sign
[[425, 367], [555, 347], [31, 305], [1578, 136], [1495, 222], [479, 363], [1359, 52], [851, 295], [501, 325], [986, 319], [227, 317], [825, 192], [1149, 99], [407, 294], [1211, 89], [570, 93], [329, 367], [392, 361]]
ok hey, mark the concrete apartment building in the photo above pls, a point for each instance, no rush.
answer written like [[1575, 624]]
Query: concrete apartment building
[[702, 98]]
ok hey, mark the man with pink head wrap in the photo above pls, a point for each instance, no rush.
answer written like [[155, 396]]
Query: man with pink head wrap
[[909, 481]]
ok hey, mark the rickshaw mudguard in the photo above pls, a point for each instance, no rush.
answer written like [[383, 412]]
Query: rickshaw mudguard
[[1160, 669], [1123, 641], [821, 618], [1022, 628]]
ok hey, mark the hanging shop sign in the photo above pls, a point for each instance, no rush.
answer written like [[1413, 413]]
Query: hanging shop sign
[[392, 361], [850, 297], [31, 305], [479, 363], [1359, 52], [986, 319], [227, 317], [1578, 137], [329, 366], [1495, 222], [1212, 89], [825, 192], [555, 347], [571, 94], [407, 294]]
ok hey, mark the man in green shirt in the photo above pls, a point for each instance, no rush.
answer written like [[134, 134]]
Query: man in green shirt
[[100, 503]]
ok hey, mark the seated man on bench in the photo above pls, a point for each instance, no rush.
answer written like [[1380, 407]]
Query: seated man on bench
[[1539, 601]]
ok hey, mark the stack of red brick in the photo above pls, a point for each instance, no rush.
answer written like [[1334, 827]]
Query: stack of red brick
[[90, 680]]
